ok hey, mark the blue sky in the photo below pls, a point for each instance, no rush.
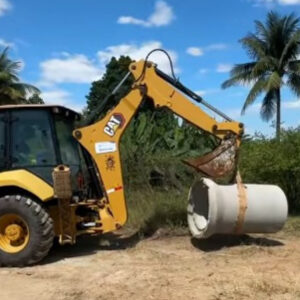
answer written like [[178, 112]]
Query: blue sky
[[65, 44]]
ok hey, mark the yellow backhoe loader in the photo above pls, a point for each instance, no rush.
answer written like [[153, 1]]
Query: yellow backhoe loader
[[58, 181]]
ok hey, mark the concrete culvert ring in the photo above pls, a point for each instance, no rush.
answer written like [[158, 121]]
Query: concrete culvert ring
[[216, 209], [198, 209]]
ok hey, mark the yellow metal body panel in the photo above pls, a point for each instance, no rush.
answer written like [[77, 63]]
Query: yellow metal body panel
[[27, 181], [102, 139]]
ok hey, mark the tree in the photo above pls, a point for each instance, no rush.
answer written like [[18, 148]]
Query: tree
[[35, 99], [274, 50], [116, 69], [154, 141], [12, 91]]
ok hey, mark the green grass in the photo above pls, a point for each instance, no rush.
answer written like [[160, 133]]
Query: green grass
[[152, 209], [149, 210]]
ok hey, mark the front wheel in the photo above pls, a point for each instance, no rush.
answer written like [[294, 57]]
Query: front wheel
[[26, 231]]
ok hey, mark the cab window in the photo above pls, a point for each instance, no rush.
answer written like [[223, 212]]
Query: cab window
[[68, 146], [32, 143]]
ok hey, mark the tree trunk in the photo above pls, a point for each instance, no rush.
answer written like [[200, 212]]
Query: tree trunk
[[278, 113]]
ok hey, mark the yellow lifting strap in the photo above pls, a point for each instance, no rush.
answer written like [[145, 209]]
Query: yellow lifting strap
[[243, 203]]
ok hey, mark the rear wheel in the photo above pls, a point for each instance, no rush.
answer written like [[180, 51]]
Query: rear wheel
[[26, 231]]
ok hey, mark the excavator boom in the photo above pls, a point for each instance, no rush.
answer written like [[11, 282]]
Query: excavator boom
[[102, 138]]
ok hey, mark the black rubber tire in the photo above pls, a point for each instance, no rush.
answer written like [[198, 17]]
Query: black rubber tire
[[41, 232]]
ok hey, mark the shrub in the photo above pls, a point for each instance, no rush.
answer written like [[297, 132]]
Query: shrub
[[267, 160]]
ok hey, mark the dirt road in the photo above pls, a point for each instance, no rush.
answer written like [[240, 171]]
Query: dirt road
[[164, 268]]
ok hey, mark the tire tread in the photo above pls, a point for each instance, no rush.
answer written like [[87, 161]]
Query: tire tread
[[45, 229]]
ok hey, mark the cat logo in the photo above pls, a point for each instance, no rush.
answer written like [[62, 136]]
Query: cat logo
[[116, 121]]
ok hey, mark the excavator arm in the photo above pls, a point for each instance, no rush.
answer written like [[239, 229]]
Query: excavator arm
[[102, 138], [168, 92]]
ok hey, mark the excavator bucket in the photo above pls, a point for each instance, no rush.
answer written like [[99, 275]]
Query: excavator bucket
[[217, 163]]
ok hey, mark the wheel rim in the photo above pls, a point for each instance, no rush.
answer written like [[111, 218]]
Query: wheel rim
[[14, 233]]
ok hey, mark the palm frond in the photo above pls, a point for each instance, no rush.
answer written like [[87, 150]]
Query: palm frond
[[273, 19], [7, 77], [280, 31], [25, 88], [290, 22], [240, 74], [261, 30], [274, 81], [264, 66], [294, 83], [255, 47], [13, 67], [11, 89], [4, 76], [240, 69], [294, 66], [291, 49], [268, 107], [3, 55], [11, 93], [237, 80], [256, 90]]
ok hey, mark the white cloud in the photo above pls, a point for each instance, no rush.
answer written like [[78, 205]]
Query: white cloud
[[60, 97], [224, 68], [269, 3], [4, 7], [163, 15], [291, 104], [79, 69], [4, 43], [68, 68], [55, 96], [198, 51], [288, 2], [132, 20], [194, 51], [137, 52]]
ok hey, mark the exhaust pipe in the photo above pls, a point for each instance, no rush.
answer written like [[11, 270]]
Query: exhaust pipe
[[220, 209]]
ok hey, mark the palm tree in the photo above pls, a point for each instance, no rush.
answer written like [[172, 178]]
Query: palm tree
[[12, 91], [274, 50]]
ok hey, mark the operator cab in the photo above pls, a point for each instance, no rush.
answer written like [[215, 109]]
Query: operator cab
[[37, 138]]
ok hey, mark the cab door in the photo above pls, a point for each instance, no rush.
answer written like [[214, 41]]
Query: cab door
[[32, 142]]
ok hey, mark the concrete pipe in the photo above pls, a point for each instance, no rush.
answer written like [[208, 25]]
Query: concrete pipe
[[225, 209]]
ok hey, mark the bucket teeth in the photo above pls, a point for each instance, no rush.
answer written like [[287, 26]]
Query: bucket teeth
[[217, 163]]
